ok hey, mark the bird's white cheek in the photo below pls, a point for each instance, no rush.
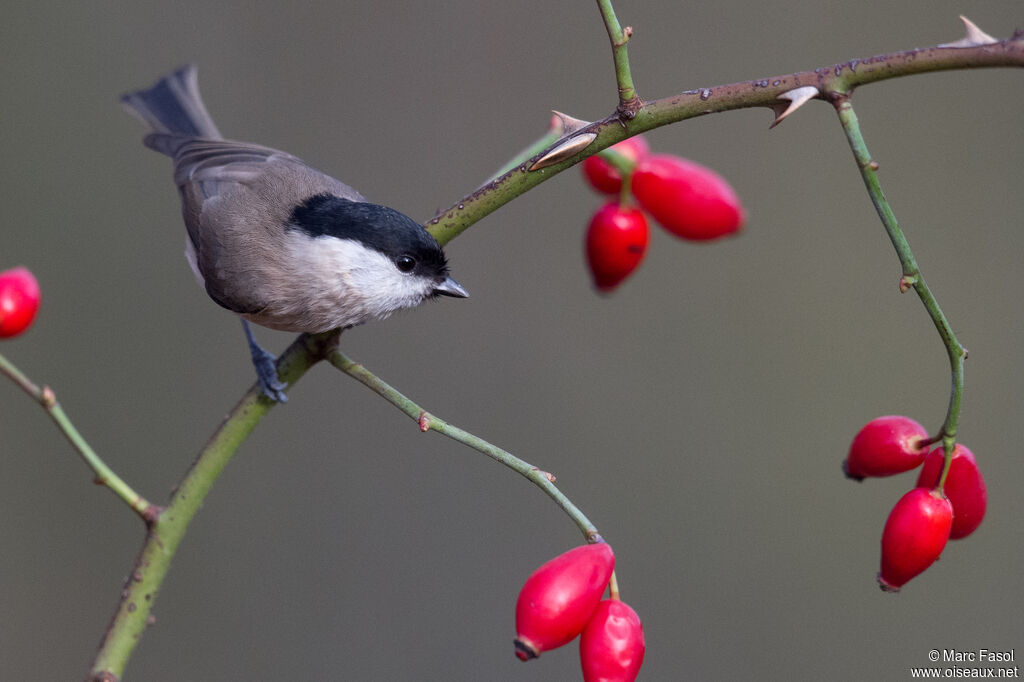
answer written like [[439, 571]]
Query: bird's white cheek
[[354, 284]]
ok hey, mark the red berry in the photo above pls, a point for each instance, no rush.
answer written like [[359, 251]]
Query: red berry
[[616, 243], [964, 487], [689, 200], [914, 536], [558, 599], [19, 301], [603, 176], [886, 446], [612, 644]]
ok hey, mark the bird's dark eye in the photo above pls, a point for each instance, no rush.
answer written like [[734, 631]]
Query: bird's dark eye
[[405, 263]]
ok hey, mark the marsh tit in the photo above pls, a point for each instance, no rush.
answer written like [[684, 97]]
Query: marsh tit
[[277, 241]]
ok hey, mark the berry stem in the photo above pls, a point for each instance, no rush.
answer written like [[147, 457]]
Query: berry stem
[[429, 422], [911, 272], [613, 587], [104, 475]]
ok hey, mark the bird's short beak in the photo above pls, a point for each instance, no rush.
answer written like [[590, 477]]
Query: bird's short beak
[[449, 287]]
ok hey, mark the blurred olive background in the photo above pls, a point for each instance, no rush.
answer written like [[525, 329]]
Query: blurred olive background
[[699, 415]]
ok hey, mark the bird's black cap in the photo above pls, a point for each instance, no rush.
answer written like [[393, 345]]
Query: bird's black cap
[[378, 227]]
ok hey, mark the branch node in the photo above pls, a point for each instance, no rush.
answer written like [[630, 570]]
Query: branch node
[[424, 421], [628, 108], [549, 476], [627, 33], [906, 283], [48, 398], [151, 514], [105, 676]]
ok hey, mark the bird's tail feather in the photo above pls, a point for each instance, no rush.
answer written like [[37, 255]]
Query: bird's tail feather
[[173, 105]]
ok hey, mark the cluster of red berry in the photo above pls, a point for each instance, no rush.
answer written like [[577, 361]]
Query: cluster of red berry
[[19, 301], [934, 511], [562, 599], [688, 200]]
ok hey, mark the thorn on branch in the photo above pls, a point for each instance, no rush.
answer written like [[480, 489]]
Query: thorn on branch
[[796, 99], [974, 36], [563, 150], [564, 124]]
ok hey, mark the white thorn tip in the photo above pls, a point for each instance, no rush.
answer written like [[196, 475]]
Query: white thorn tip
[[564, 124], [563, 150], [797, 98], [974, 36]]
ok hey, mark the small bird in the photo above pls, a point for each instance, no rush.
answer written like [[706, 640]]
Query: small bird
[[277, 241]]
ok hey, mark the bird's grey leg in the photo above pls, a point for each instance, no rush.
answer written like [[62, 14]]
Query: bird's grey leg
[[266, 369]]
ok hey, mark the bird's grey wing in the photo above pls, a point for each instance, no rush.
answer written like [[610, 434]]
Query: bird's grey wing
[[217, 164], [236, 199]]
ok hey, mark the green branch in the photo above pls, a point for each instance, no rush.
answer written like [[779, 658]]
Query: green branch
[[429, 422], [104, 475], [763, 92], [912, 277]]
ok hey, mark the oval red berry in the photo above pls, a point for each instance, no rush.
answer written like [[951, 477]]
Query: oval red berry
[[687, 199], [886, 446], [19, 301], [964, 487], [558, 599], [616, 242], [612, 645], [915, 535]]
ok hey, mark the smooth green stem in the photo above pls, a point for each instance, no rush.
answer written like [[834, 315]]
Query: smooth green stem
[[912, 276], [430, 422], [628, 100], [104, 475]]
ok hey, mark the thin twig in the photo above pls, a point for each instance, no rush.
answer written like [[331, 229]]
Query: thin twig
[[912, 277], [104, 475], [430, 422]]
